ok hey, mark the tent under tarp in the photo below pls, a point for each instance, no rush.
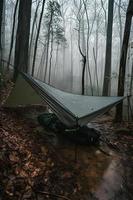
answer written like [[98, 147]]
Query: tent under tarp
[[71, 109]]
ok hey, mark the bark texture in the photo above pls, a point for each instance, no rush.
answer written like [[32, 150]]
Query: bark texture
[[122, 69], [22, 37], [107, 72]]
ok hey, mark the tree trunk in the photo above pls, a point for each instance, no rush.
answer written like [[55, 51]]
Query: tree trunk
[[1, 19], [120, 23], [50, 61], [107, 72], [32, 31], [56, 61], [84, 61], [3, 30], [105, 14], [71, 57], [41, 65], [83, 75], [122, 69], [22, 37], [87, 48], [96, 73], [64, 51], [36, 42], [57, 51], [47, 48], [131, 81], [12, 36]]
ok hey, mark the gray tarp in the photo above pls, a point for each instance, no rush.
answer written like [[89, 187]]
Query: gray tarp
[[73, 110]]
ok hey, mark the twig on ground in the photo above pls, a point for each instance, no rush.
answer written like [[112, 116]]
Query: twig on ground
[[54, 195], [104, 152]]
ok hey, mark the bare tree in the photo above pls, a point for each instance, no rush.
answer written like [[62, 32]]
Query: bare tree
[[42, 62], [108, 58], [37, 36], [12, 35], [33, 28], [22, 37], [48, 41], [51, 54], [54, 32], [122, 69], [64, 7], [1, 19], [95, 60], [84, 49], [71, 34], [89, 31], [105, 14], [120, 22], [131, 82]]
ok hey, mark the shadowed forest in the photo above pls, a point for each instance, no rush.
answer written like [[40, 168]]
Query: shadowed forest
[[66, 99]]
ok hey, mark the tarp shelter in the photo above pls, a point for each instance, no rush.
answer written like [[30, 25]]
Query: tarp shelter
[[72, 110]]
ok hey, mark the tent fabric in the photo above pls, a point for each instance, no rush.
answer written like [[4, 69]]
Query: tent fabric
[[73, 110], [22, 94]]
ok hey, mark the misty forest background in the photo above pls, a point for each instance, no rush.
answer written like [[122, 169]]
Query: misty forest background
[[78, 46]]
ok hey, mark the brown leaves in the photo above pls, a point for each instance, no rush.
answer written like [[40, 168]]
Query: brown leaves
[[67, 174], [14, 157], [29, 165]]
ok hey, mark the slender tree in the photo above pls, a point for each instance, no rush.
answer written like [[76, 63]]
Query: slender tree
[[96, 72], [49, 16], [51, 54], [122, 68], [83, 60], [1, 19], [33, 29], [54, 31], [12, 35], [64, 7], [71, 34], [131, 81], [105, 14], [60, 41], [37, 36], [22, 37], [120, 22], [108, 58]]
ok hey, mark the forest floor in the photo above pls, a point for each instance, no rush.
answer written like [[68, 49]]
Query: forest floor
[[32, 167]]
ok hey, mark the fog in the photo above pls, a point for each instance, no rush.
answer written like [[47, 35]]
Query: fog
[[66, 60]]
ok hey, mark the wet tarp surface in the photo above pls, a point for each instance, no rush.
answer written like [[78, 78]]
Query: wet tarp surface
[[73, 110]]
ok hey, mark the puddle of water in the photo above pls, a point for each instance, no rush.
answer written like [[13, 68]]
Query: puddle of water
[[111, 181], [100, 174]]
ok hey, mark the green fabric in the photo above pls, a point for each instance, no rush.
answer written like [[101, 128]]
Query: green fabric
[[22, 94]]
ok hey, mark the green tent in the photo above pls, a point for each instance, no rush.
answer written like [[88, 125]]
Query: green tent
[[22, 94], [72, 110]]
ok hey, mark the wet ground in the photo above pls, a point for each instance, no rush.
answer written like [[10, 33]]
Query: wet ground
[[104, 171], [100, 174]]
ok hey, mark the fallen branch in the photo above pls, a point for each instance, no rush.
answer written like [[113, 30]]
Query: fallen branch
[[54, 195], [104, 152], [110, 144]]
